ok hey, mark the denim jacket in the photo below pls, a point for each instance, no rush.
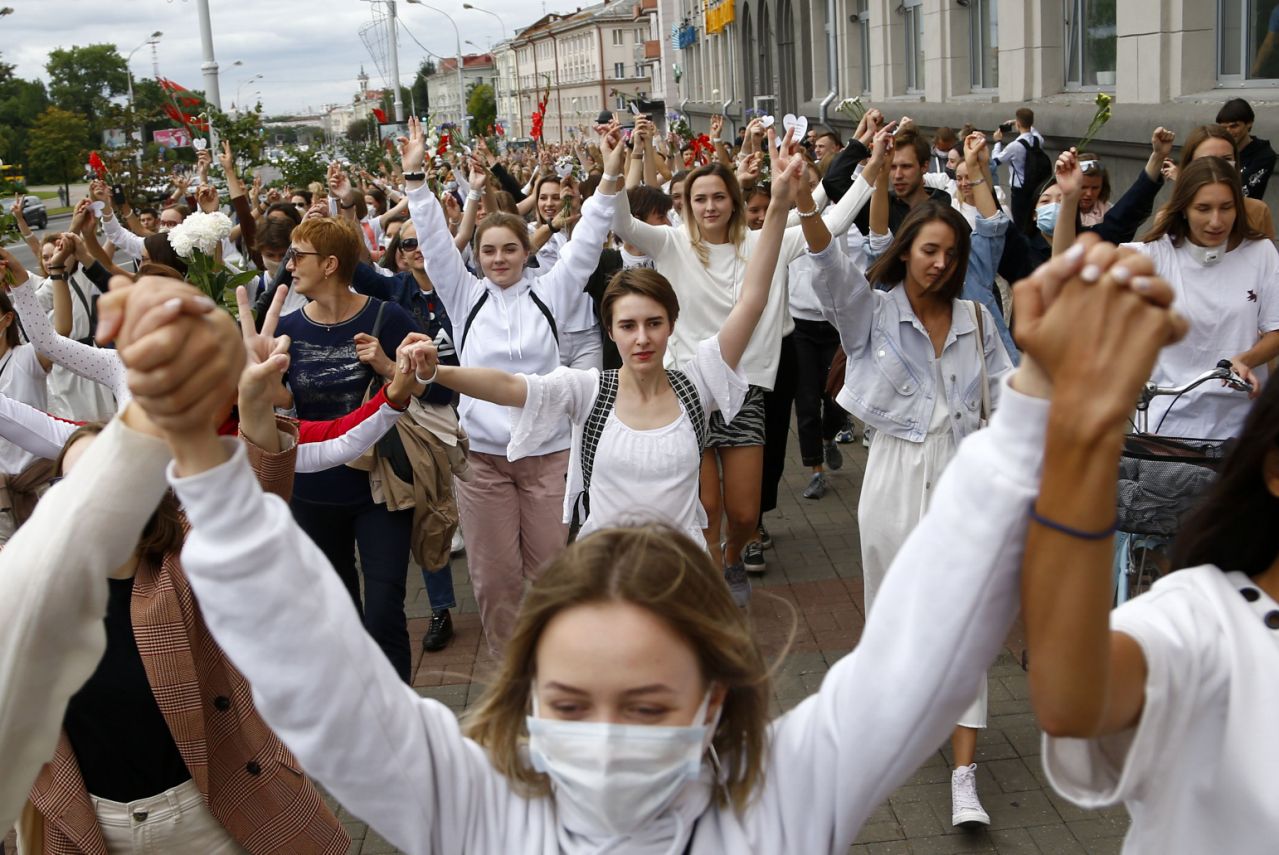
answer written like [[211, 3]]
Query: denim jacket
[[890, 381]]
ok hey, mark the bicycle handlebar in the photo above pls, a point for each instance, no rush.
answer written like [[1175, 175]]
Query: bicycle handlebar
[[1224, 372]]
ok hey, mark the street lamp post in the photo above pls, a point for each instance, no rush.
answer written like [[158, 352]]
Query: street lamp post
[[151, 40], [239, 108], [461, 85], [497, 74]]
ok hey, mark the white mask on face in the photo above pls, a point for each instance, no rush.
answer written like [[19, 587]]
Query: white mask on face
[[618, 777]]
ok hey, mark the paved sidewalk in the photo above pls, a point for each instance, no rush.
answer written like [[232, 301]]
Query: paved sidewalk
[[814, 572]]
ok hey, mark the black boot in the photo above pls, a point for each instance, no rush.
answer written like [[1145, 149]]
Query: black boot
[[440, 632]]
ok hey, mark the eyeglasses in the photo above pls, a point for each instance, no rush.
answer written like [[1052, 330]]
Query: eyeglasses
[[408, 244], [295, 252]]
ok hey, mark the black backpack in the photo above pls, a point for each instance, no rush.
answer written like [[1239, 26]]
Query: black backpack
[[1038, 168]]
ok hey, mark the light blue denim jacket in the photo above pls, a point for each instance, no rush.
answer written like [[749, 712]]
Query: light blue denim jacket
[[989, 235], [890, 381]]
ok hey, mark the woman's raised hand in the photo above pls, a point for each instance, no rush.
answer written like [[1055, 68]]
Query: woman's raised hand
[[418, 355], [612, 148], [413, 147], [789, 183], [1069, 175], [207, 198], [976, 154], [266, 354]]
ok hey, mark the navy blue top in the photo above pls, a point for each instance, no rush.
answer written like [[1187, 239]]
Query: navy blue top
[[329, 381]]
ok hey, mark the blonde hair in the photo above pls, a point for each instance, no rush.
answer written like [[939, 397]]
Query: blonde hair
[[736, 222], [659, 569]]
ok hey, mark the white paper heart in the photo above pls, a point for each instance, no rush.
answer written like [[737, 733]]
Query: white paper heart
[[563, 170], [767, 122], [98, 208], [199, 143], [799, 124]]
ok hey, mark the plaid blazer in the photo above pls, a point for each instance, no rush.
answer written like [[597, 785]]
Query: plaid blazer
[[250, 781]]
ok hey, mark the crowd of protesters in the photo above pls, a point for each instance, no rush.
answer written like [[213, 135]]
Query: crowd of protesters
[[580, 365]]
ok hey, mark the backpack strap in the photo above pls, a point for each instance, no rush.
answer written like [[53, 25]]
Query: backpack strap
[[593, 429], [475, 310], [687, 394]]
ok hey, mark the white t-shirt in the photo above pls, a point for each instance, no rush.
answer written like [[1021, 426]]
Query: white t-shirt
[[23, 379], [1197, 772], [71, 396], [637, 474], [1229, 305], [631, 262]]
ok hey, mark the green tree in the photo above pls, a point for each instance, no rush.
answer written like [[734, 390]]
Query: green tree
[[421, 92], [299, 168], [244, 132], [482, 108], [21, 101], [57, 145], [83, 80]]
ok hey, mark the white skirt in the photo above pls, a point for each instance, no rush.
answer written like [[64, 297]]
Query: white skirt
[[899, 483]]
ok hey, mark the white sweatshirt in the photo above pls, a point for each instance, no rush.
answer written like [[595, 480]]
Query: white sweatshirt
[[401, 763], [509, 332], [708, 292]]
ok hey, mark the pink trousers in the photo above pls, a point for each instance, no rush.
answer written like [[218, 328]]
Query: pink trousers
[[512, 521]]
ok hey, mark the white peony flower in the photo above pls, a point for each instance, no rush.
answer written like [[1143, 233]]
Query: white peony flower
[[201, 231]]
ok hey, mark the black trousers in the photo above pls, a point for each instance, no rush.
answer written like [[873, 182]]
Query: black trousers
[[777, 406], [817, 417]]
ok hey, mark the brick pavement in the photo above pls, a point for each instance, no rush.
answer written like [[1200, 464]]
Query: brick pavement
[[814, 573]]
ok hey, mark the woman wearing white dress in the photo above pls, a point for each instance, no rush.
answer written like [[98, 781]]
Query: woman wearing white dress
[[638, 456], [923, 371], [23, 377]]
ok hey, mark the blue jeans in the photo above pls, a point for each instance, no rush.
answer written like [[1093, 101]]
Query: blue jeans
[[439, 588], [383, 539]]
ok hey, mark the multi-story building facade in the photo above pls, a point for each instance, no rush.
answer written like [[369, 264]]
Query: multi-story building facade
[[448, 104], [947, 62]]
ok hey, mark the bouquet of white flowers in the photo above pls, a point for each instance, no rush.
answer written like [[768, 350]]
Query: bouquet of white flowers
[[198, 240]]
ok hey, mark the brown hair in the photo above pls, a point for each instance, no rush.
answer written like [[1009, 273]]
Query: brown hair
[[154, 268], [659, 569], [501, 219], [332, 236], [1195, 176], [910, 139], [645, 201], [890, 269], [1201, 135], [1026, 117], [736, 222], [164, 532], [643, 282], [1103, 195], [537, 191], [275, 234], [11, 337], [506, 203]]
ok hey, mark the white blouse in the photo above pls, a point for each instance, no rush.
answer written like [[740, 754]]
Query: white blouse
[[638, 475]]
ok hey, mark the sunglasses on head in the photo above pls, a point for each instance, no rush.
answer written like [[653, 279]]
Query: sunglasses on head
[[1090, 167], [408, 244]]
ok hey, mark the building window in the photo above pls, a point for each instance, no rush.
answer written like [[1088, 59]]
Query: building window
[[863, 40], [983, 25], [1090, 43], [617, 37], [1249, 46], [619, 69], [913, 12]]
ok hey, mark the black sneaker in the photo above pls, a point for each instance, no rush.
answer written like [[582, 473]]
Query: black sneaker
[[765, 539], [753, 557], [440, 632]]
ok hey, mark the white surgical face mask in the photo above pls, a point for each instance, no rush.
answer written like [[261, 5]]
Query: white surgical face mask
[[618, 777], [1046, 217]]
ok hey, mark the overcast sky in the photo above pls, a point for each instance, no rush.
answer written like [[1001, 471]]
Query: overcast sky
[[308, 51]]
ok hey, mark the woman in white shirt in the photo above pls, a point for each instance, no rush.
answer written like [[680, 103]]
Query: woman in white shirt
[[510, 320], [1226, 275], [638, 431], [705, 260], [1165, 704], [23, 377], [631, 710]]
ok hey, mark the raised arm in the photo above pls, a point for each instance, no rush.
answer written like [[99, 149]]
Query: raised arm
[[485, 384], [124, 240], [28, 236], [1070, 178]]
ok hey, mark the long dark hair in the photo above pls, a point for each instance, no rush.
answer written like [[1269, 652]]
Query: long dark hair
[[891, 269], [11, 337], [1233, 525]]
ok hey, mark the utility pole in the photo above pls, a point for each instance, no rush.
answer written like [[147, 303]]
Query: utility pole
[[210, 65], [395, 63]]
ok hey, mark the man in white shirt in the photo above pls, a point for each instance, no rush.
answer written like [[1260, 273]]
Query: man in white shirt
[[1015, 154]]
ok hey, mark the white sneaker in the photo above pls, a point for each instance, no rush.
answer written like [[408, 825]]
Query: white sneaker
[[459, 545], [965, 807]]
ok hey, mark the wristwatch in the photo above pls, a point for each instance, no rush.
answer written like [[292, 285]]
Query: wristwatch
[[415, 176]]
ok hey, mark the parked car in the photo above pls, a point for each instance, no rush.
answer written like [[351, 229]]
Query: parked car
[[33, 209]]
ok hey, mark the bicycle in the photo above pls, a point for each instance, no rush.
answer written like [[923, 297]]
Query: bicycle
[[1160, 479]]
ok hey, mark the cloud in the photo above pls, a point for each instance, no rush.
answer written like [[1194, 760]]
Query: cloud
[[308, 52]]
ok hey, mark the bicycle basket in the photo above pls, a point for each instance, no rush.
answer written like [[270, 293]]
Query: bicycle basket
[[1161, 478]]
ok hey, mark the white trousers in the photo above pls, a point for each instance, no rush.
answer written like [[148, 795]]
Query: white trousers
[[176, 820]]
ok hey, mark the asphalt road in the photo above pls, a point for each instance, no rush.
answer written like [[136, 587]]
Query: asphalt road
[[22, 252]]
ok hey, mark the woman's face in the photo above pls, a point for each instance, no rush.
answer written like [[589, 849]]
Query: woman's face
[[371, 203], [640, 330], [548, 200], [502, 256], [953, 160], [712, 205], [965, 185], [409, 258], [310, 269], [1052, 193], [618, 663], [1215, 147], [1211, 215], [932, 254], [1090, 190]]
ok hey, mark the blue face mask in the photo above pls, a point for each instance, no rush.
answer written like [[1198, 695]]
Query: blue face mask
[[1046, 217]]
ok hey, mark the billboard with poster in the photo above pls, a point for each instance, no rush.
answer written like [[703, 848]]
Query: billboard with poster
[[173, 138]]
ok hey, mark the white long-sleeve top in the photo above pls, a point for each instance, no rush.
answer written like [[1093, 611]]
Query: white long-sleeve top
[[53, 594], [509, 332], [124, 240], [707, 292], [401, 762], [70, 395]]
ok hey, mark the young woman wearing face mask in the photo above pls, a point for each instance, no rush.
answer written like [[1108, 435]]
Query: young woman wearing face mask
[[923, 370], [1224, 273], [640, 424], [509, 320], [1165, 704], [705, 261], [630, 714]]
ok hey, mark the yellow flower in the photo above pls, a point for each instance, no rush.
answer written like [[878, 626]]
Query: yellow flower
[[1103, 100]]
